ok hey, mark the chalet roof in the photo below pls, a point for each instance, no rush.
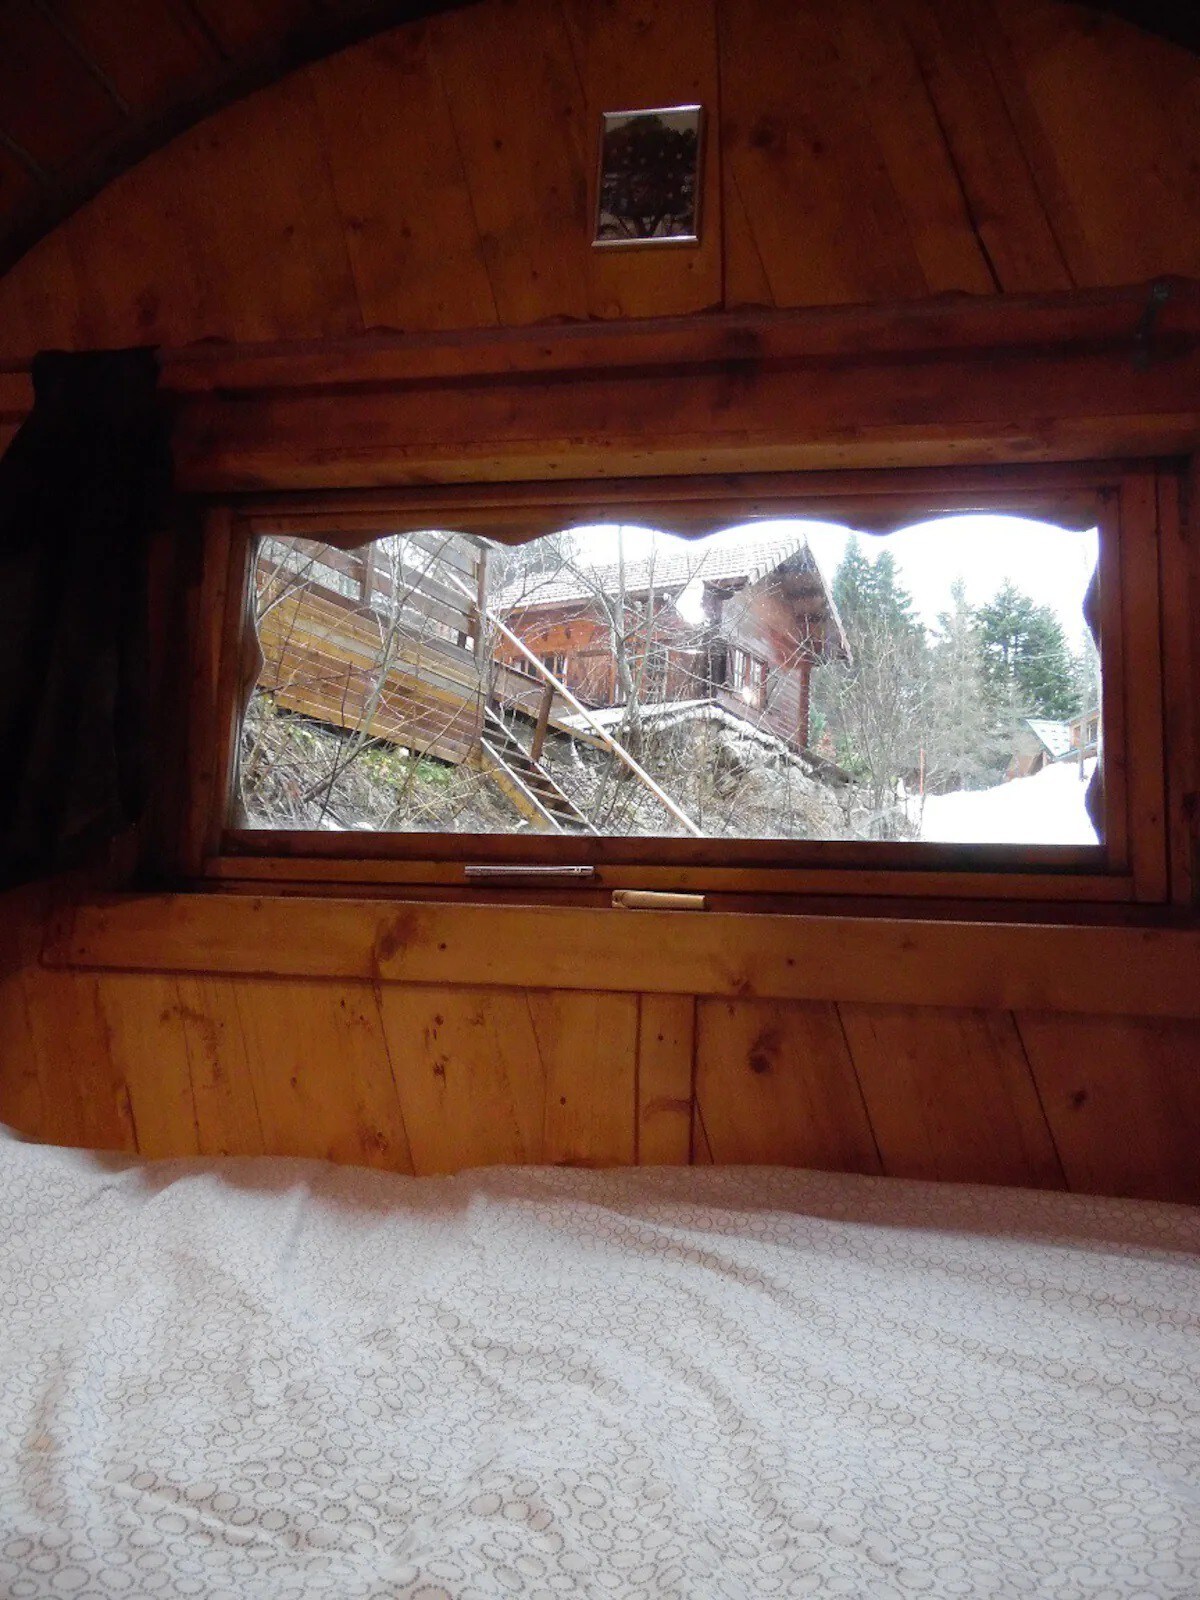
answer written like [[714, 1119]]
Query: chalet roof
[[668, 571], [1054, 736], [671, 571]]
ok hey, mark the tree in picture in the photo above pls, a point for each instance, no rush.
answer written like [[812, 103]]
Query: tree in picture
[[648, 179]]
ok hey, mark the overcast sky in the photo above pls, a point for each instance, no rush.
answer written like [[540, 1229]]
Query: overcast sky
[[1050, 564]]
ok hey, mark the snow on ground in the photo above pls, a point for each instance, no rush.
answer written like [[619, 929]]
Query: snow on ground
[[1044, 809]]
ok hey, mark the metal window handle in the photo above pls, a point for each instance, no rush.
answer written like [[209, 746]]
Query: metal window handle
[[500, 870]]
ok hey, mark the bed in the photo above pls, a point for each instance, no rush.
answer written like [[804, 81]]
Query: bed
[[275, 1377]]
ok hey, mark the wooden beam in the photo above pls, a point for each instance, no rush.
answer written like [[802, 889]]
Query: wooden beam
[[1049, 379], [1097, 971], [938, 383]]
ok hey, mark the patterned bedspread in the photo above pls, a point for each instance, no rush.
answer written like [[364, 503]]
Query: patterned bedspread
[[279, 1378]]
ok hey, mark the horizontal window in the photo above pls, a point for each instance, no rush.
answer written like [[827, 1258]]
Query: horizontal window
[[913, 686], [781, 681]]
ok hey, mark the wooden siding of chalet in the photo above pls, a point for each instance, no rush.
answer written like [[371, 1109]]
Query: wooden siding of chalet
[[575, 631], [322, 648], [781, 620]]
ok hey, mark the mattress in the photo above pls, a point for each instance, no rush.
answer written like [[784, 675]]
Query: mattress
[[274, 1378]]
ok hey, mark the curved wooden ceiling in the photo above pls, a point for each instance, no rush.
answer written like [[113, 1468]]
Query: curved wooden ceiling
[[89, 87]]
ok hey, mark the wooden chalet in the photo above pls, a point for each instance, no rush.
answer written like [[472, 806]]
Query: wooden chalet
[[1036, 743], [741, 625]]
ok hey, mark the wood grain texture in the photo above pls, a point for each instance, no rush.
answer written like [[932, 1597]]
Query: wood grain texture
[[1006, 211], [1105, 189], [1109, 971], [1122, 1099], [775, 1084], [666, 1057], [434, 1079], [413, 245], [875, 387], [950, 1096], [442, 174], [516, 106], [487, 1078], [799, 152], [641, 54], [320, 1072], [85, 1099]]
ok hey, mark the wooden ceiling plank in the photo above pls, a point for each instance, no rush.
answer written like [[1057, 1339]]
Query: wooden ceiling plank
[[894, 98], [39, 306], [799, 147], [144, 49], [267, 55], [516, 107], [17, 183], [40, 75], [258, 210], [63, 27], [416, 257], [243, 25], [132, 282], [1111, 127], [1006, 209]]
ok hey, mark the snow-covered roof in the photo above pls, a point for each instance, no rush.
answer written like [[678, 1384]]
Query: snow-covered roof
[[670, 571], [665, 714], [666, 570], [1055, 736]]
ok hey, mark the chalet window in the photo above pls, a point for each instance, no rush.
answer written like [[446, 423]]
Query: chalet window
[[748, 677], [797, 696]]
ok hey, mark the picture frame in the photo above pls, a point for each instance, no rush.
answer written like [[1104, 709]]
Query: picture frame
[[649, 177]]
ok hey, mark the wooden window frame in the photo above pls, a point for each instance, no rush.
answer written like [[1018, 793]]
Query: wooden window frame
[[1144, 862]]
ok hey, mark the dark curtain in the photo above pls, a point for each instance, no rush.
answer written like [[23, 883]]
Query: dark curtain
[[81, 487]]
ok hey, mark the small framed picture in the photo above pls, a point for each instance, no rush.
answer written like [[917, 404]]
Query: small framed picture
[[648, 190]]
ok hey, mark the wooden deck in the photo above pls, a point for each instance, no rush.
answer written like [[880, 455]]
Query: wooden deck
[[394, 653]]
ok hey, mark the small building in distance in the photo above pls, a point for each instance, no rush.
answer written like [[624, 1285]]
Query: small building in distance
[[1037, 742], [738, 624], [1085, 734]]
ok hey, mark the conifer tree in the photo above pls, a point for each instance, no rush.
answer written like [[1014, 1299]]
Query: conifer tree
[[1027, 665], [965, 749]]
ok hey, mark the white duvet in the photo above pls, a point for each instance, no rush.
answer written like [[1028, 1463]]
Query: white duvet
[[262, 1378]]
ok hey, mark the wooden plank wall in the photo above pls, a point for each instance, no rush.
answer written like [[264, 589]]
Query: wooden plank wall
[[431, 1077], [440, 176]]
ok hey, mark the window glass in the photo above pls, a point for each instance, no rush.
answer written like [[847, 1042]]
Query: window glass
[[777, 680]]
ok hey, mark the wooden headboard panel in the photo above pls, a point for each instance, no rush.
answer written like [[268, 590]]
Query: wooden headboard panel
[[430, 1038]]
